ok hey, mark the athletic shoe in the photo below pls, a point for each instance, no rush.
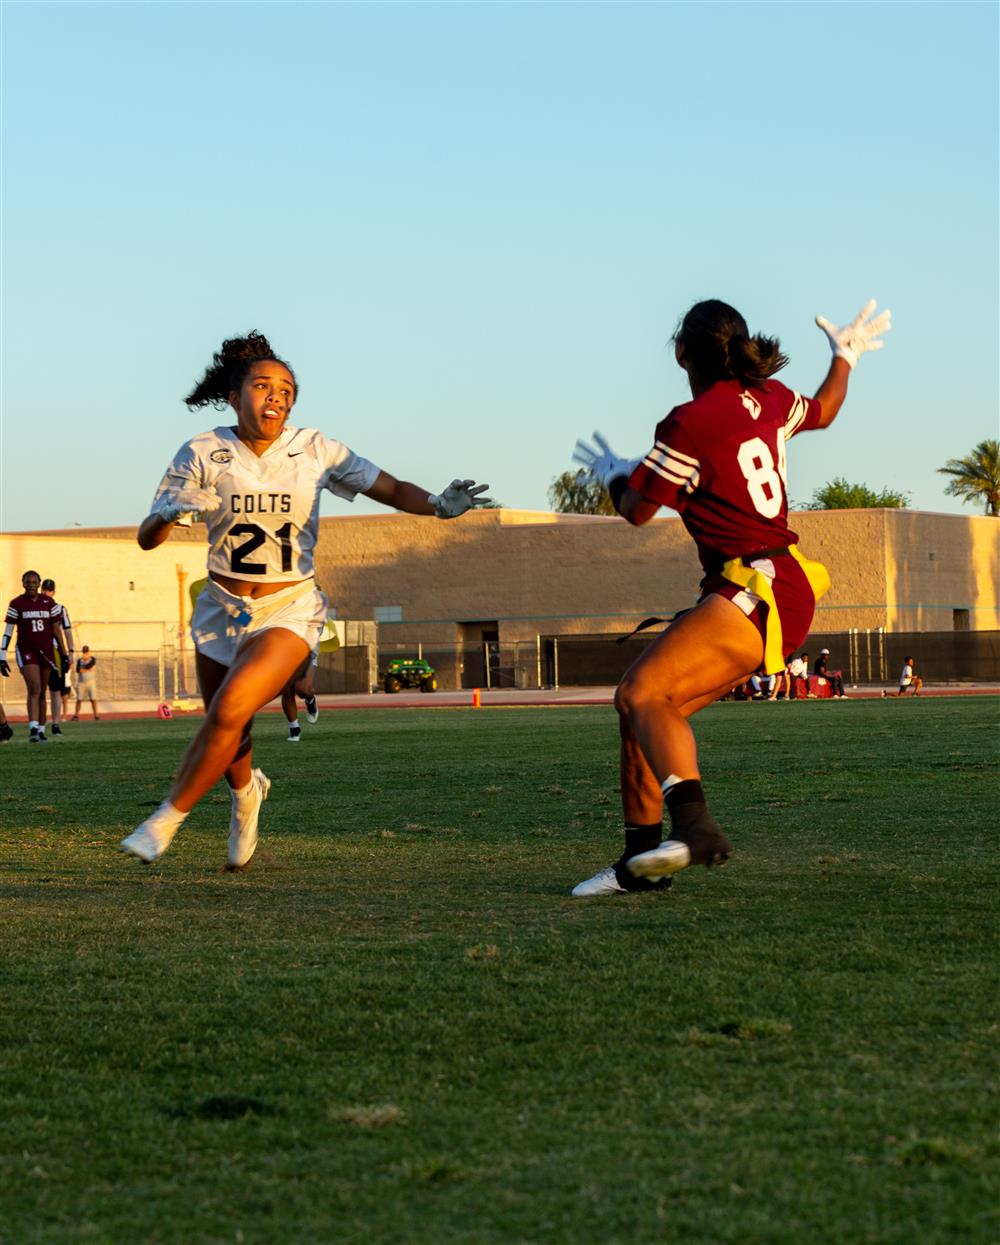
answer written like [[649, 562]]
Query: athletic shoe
[[57, 731], [294, 733], [33, 735], [148, 842], [312, 709], [75, 717], [41, 737], [6, 732], [613, 880], [695, 840], [243, 825]]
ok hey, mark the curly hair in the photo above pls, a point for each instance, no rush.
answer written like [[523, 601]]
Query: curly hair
[[229, 368], [717, 346]]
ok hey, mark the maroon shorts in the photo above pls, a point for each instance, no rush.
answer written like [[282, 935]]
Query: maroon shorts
[[34, 657], [793, 596]]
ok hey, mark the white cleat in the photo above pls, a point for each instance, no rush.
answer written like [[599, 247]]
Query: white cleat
[[294, 734], [312, 709], [606, 883], [243, 825], [603, 883], [149, 842]]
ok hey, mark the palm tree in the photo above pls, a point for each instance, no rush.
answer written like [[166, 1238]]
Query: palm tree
[[976, 477]]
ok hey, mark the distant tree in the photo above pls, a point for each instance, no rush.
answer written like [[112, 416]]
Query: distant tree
[[839, 495], [976, 477], [577, 492]]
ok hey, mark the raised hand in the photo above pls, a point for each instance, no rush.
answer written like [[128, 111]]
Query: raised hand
[[601, 461], [863, 333]]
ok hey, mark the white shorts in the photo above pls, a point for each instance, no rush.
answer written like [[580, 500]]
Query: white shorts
[[222, 621]]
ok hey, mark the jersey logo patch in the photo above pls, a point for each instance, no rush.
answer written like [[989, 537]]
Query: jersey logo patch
[[221, 456], [751, 405]]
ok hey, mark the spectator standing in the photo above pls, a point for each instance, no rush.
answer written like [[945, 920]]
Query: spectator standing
[[58, 685], [86, 682], [834, 677]]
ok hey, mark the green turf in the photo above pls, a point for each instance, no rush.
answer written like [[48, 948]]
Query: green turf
[[398, 1027]]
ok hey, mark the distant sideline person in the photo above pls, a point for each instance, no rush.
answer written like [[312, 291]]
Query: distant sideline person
[[86, 682], [257, 485], [909, 680], [720, 461], [835, 678], [59, 677]]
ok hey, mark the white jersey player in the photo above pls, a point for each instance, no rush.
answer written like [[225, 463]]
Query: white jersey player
[[268, 518], [257, 486]]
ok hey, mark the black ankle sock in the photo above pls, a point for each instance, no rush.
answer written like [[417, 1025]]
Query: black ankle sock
[[643, 838], [687, 792]]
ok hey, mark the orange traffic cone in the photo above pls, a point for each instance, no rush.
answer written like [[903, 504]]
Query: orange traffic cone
[[476, 703]]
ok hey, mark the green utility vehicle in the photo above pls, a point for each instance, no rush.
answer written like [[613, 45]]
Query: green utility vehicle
[[410, 672]]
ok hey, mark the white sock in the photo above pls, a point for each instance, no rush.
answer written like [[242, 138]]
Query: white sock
[[671, 780], [244, 793], [166, 817], [33, 726]]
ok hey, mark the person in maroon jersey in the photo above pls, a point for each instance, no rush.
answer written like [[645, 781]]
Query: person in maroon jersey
[[39, 633], [719, 460]]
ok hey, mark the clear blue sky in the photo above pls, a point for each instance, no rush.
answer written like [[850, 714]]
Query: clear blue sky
[[472, 228]]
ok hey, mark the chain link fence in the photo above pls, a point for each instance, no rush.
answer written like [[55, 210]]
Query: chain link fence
[[866, 657]]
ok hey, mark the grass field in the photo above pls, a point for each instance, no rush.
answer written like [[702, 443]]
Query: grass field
[[398, 1027]]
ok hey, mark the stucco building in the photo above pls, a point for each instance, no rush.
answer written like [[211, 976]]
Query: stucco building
[[516, 579]]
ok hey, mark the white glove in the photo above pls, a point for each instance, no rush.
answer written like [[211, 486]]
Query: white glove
[[603, 463], [190, 501], [861, 334], [459, 496]]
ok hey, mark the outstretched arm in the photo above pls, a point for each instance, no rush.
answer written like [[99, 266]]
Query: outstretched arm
[[848, 345], [459, 496]]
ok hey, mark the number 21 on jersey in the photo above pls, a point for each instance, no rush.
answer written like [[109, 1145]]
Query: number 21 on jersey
[[765, 478]]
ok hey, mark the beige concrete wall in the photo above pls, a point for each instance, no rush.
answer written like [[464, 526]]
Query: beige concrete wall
[[118, 596], [532, 572]]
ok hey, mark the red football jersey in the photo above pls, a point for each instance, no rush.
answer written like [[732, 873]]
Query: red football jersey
[[34, 618], [719, 461]]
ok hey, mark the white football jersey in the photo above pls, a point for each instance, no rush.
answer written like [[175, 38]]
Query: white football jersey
[[267, 524]]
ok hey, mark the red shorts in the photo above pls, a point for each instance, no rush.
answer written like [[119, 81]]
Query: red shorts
[[793, 595], [34, 657]]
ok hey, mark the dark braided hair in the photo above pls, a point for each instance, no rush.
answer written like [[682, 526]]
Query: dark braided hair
[[718, 346], [230, 365]]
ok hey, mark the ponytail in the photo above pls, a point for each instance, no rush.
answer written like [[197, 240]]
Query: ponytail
[[717, 346], [229, 368]]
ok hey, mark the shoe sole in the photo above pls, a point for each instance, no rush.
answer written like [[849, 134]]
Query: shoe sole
[[671, 857]]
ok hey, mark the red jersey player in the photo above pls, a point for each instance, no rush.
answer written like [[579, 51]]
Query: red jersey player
[[719, 460], [39, 630]]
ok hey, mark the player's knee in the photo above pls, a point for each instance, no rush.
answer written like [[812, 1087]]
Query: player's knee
[[633, 695]]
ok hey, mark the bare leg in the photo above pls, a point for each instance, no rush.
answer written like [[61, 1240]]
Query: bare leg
[[262, 667], [694, 662], [33, 683]]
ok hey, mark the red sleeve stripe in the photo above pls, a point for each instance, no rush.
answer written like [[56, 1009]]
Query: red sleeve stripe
[[796, 415]]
